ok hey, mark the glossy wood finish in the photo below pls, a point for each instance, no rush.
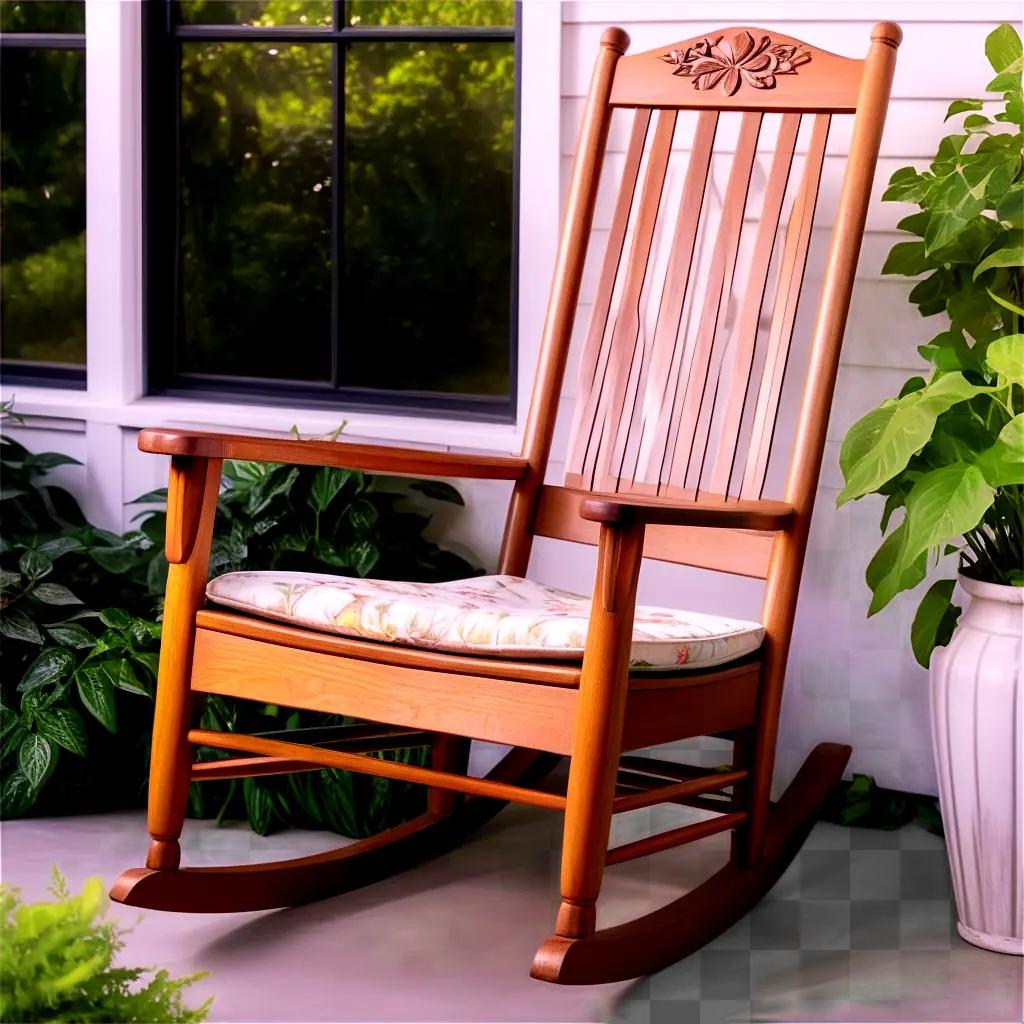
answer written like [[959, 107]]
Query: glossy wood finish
[[828, 82], [196, 444], [712, 511], [724, 550], [672, 932], [376, 766], [498, 710], [247, 887], [661, 841], [653, 407], [194, 486]]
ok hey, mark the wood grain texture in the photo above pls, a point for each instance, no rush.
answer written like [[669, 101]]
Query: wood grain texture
[[196, 485], [597, 737], [646, 944], [376, 766], [498, 710], [374, 458], [827, 82], [724, 550]]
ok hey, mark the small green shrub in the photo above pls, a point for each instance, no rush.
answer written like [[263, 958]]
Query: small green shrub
[[58, 965]]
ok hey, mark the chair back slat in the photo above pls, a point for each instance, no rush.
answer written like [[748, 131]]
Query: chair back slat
[[625, 334], [594, 357], [787, 296], [689, 432], [745, 336]]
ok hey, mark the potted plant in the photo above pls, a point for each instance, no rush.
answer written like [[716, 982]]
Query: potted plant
[[947, 454]]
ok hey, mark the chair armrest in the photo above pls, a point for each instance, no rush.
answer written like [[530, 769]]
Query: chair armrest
[[715, 512], [375, 458]]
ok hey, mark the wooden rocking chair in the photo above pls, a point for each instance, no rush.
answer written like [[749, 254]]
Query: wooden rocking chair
[[672, 443]]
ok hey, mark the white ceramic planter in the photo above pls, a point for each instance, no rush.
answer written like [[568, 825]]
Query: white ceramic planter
[[976, 696]]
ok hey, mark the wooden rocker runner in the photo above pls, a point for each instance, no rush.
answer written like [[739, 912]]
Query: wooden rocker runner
[[694, 398]]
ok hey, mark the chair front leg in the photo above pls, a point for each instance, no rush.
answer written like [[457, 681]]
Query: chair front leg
[[191, 505], [597, 735]]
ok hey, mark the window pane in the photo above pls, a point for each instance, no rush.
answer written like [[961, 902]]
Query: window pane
[[428, 216], [42, 16], [265, 13], [430, 12], [256, 210], [42, 205]]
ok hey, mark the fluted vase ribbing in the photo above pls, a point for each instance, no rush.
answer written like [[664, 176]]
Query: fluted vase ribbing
[[976, 698]]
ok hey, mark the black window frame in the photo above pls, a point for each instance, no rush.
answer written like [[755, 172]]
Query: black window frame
[[22, 371], [161, 248]]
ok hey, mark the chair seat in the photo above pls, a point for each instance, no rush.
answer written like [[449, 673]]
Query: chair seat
[[500, 616]]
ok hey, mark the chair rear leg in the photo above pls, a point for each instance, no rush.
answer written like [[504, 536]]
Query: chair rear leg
[[191, 503], [447, 754]]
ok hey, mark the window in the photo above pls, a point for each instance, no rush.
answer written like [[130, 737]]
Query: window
[[42, 191], [329, 193]]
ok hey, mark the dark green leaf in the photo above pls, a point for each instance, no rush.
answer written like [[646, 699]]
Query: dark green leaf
[[49, 460], [70, 634], [908, 259], [16, 795], [328, 481], [364, 556], [9, 579], [54, 593], [36, 760], [53, 549], [118, 560], [96, 689], [362, 514], [64, 726], [128, 681], [258, 806], [439, 490], [34, 565], [115, 618], [52, 665], [933, 624], [16, 625]]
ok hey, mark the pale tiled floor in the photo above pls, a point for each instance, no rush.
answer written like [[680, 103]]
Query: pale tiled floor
[[860, 929]]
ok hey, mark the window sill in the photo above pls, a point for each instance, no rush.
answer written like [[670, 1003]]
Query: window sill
[[153, 411]]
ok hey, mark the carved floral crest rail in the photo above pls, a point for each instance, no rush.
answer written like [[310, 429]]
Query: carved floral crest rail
[[743, 59]]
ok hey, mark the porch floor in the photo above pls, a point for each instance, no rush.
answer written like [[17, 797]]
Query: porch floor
[[860, 929]]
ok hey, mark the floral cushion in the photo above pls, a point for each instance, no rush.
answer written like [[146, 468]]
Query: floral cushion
[[500, 616]]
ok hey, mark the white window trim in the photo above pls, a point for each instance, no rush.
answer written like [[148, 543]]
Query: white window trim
[[115, 393]]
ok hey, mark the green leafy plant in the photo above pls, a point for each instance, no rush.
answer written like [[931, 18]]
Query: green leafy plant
[[948, 450], [80, 636], [78, 671], [861, 802], [58, 965]]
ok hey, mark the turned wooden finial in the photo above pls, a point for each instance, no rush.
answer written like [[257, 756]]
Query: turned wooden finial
[[615, 39]]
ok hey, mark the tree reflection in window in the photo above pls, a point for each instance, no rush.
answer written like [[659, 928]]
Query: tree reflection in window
[[42, 188], [419, 134]]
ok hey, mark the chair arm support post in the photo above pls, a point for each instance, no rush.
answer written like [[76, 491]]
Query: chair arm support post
[[597, 734], [191, 504]]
